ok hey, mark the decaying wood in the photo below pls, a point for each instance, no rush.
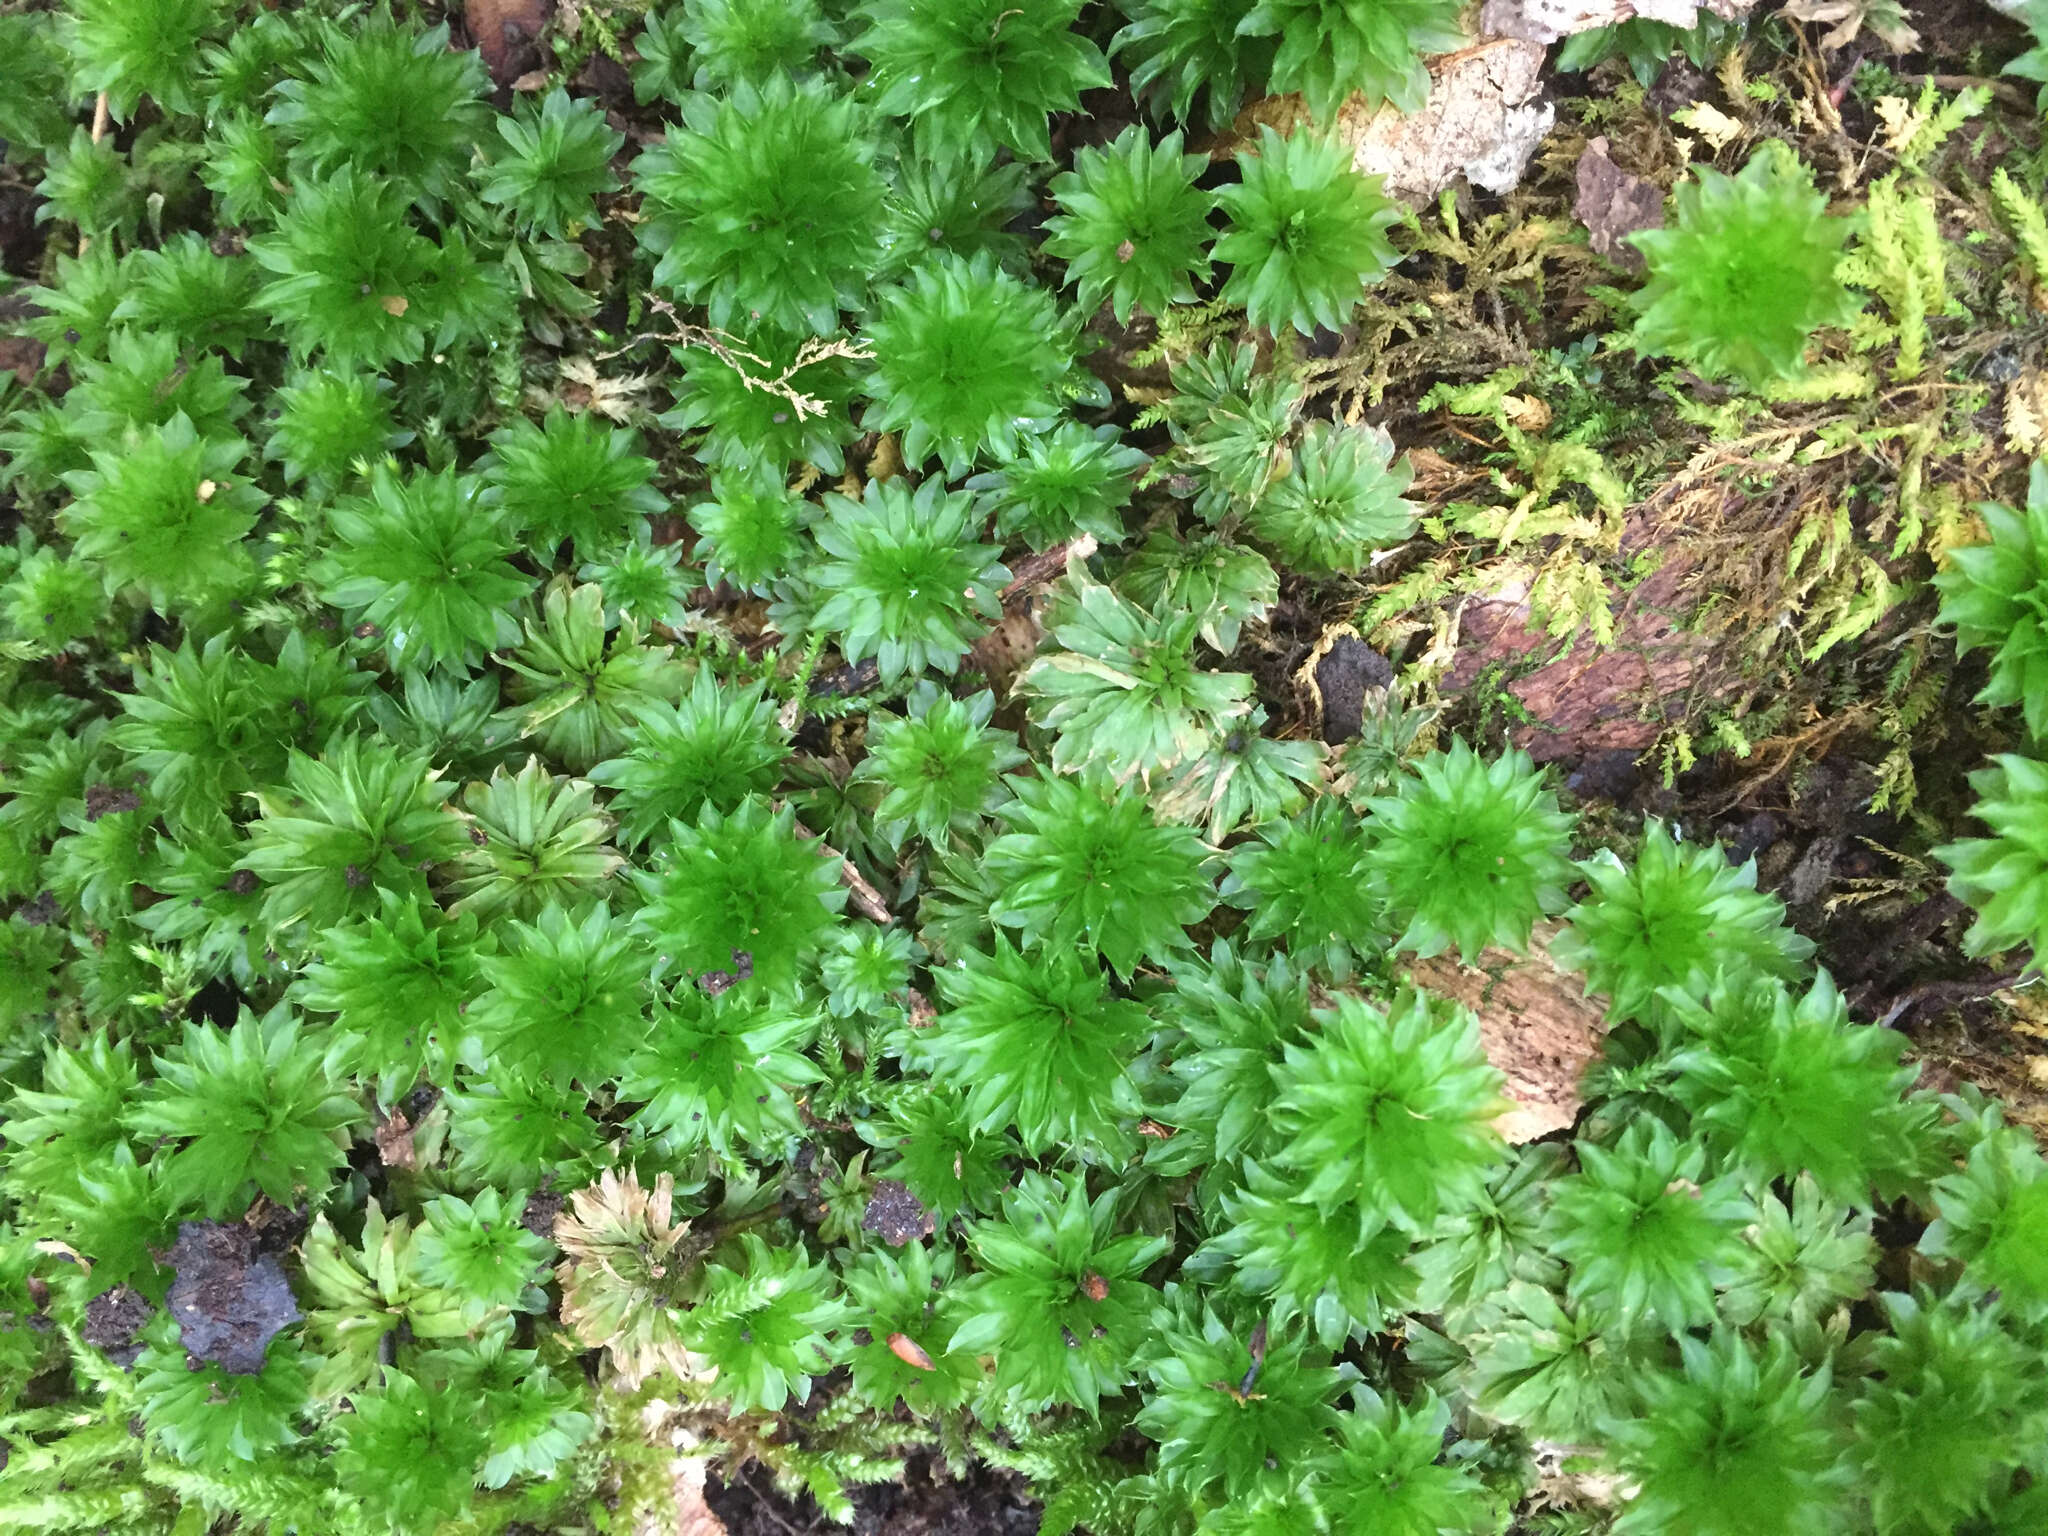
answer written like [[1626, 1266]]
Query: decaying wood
[[1591, 697], [1536, 1023]]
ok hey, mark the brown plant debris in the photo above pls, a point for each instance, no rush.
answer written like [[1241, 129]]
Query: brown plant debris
[[1612, 204], [628, 1271], [1537, 1027]]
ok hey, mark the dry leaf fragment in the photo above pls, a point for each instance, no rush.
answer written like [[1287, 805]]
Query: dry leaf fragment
[[1613, 204], [2026, 412], [1710, 123], [394, 1142], [1886, 20], [394, 304]]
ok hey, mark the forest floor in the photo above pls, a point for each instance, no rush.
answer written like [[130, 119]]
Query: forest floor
[[1727, 624]]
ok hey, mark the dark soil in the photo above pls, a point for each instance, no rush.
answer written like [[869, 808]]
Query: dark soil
[[230, 1297], [926, 1503]]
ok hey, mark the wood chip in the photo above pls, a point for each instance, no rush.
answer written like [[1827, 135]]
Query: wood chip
[[1613, 205], [1536, 1024]]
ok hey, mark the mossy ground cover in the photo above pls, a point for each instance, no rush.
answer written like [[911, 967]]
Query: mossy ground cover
[[778, 762]]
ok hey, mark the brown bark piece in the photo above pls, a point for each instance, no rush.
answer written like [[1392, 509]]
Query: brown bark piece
[[1483, 120], [507, 34], [1593, 698], [1613, 204], [1537, 1026]]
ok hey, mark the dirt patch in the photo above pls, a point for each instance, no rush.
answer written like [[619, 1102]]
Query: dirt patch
[[927, 1502], [229, 1300]]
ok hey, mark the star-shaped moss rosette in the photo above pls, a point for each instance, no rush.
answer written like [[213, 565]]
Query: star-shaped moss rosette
[[967, 360], [1468, 852], [1744, 274], [1677, 916], [1996, 596], [2004, 877]]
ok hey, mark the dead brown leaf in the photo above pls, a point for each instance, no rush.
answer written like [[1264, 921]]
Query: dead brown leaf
[[1613, 204]]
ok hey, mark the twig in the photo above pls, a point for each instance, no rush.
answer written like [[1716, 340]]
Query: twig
[[866, 899], [729, 350], [99, 118], [1035, 570]]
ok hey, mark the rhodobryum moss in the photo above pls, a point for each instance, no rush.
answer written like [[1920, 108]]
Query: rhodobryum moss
[[1307, 878], [565, 1000], [715, 747], [570, 477], [720, 1071], [423, 564], [1641, 1232], [1993, 1217], [165, 513], [1213, 1431], [762, 205], [1327, 49], [1390, 1111], [1734, 1441], [1307, 233], [245, 1110], [1085, 865], [1468, 853], [1133, 226], [1039, 1044], [727, 716], [135, 48], [739, 893], [1339, 501], [939, 766], [751, 40], [1124, 690], [1063, 483], [1674, 919], [902, 579], [966, 357], [1996, 596], [344, 827], [352, 274], [979, 73], [1745, 272], [1177, 49], [1059, 1300]]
